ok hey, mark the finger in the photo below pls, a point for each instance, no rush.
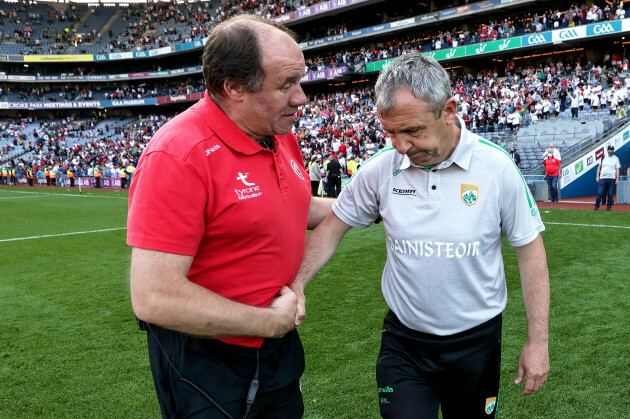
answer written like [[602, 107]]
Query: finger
[[301, 311], [535, 386], [530, 387], [520, 374]]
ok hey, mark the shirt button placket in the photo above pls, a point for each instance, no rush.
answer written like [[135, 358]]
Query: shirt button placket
[[434, 184]]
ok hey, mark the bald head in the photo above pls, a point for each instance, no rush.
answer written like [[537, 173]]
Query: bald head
[[234, 52]]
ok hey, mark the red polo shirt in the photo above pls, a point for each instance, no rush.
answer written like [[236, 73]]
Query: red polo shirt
[[203, 188], [551, 166]]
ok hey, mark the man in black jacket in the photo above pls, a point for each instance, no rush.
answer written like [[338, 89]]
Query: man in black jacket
[[515, 156], [333, 174]]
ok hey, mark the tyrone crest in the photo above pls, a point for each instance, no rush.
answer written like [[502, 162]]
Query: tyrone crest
[[470, 194]]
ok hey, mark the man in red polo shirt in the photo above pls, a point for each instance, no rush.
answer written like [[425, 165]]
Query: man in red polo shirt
[[553, 170], [215, 248]]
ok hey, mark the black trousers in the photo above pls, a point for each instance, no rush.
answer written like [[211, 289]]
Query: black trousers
[[334, 186], [417, 372], [314, 187], [207, 378]]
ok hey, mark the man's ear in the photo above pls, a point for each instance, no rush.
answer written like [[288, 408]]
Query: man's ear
[[233, 90], [450, 110]]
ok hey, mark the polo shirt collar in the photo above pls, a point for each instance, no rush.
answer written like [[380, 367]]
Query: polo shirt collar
[[462, 155], [226, 129]]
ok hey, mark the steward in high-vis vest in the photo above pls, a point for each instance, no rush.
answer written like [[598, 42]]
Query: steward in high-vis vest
[[97, 176], [130, 170], [351, 167], [70, 174], [12, 173], [53, 177], [29, 177], [5, 177], [123, 177], [47, 174]]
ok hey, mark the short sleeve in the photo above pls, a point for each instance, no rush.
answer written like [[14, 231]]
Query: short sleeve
[[520, 217], [168, 202], [358, 204]]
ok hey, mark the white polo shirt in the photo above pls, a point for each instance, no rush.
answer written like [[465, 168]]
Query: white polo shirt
[[444, 271], [609, 167]]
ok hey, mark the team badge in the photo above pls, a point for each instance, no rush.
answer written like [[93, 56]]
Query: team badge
[[296, 169], [491, 403], [470, 194]]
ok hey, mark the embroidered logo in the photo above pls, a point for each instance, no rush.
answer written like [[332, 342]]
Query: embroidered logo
[[296, 169], [252, 191], [491, 403], [212, 149], [470, 194], [398, 191], [242, 178]]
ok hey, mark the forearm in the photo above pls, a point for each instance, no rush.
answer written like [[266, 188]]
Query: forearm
[[532, 262], [320, 246], [163, 295], [318, 210]]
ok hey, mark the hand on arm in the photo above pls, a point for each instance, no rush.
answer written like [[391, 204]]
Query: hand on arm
[[534, 361], [162, 294], [320, 246]]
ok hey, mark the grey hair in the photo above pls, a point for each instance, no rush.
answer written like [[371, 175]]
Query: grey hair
[[420, 74]]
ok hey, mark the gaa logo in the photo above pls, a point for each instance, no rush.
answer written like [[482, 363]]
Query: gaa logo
[[603, 28], [536, 39], [568, 34]]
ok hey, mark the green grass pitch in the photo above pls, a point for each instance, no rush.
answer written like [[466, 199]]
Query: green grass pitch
[[70, 347]]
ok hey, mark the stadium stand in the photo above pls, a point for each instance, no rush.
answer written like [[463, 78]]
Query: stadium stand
[[522, 97]]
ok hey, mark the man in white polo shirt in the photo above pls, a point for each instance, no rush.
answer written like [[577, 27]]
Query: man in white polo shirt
[[447, 198]]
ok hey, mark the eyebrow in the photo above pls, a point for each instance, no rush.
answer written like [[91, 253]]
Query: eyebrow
[[293, 79]]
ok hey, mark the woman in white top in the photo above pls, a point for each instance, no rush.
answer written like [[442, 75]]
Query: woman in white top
[[315, 173]]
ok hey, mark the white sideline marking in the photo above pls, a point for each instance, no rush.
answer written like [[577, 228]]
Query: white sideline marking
[[15, 197], [87, 195], [586, 225], [62, 234]]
